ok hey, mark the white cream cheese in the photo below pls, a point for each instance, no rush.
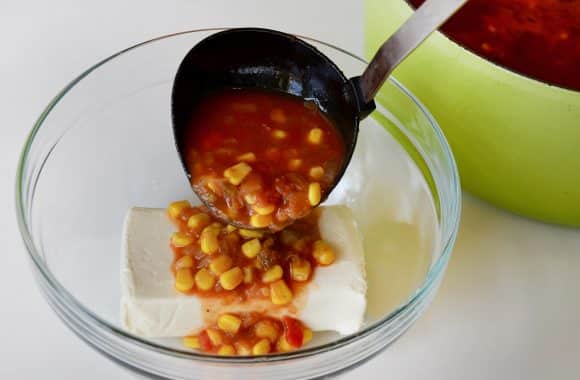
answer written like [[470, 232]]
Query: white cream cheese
[[334, 299]]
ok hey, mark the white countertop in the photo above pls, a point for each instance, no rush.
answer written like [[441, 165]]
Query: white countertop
[[509, 307]]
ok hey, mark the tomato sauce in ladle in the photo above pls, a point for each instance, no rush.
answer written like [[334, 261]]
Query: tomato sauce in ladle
[[265, 124]]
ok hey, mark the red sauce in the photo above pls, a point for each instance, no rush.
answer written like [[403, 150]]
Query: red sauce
[[262, 159], [243, 265], [537, 38]]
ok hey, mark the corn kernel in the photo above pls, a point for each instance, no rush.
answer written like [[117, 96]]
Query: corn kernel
[[262, 347], [260, 221], [208, 240], [191, 342], [314, 193], [175, 208], [251, 234], [229, 323], [251, 248], [280, 293], [232, 278], [266, 329], [273, 274], [315, 136], [300, 269], [294, 163], [204, 280], [279, 134], [220, 264], [184, 262], [229, 228], [282, 345], [236, 174], [243, 349], [323, 253], [247, 157], [180, 239], [316, 172], [198, 221], [184, 280], [248, 274], [264, 210], [278, 116], [226, 350], [306, 335], [215, 336], [250, 199]]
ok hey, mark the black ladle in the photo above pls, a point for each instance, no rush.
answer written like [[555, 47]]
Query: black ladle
[[276, 61]]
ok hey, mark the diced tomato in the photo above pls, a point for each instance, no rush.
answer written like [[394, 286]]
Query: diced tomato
[[293, 331], [204, 342]]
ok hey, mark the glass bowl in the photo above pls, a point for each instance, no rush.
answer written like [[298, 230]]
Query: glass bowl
[[104, 144]]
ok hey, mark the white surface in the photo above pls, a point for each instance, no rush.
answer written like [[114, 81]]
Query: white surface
[[334, 300], [508, 308]]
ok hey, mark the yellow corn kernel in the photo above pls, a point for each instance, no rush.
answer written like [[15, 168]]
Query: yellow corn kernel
[[279, 134], [314, 193], [243, 349], [282, 345], [251, 234], [300, 269], [294, 163], [251, 248], [204, 280], [229, 228], [184, 280], [191, 342], [262, 347], [323, 253], [184, 262], [260, 221], [280, 293], [273, 274], [226, 350], [180, 239], [236, 174], [232, 278], [229, 323], [247, 157], [266, 329], [250, 199], [315, 136], [248, 275], [220, 264], [198, 221], [306, 335], [316, 172], [278, 116], [217, 226], [175, 208], [215, 336], [208, 240], [264, 210]]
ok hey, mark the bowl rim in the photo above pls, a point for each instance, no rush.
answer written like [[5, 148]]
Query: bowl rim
[[432, 275]]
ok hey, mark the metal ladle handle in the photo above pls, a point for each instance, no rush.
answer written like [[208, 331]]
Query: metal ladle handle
[[426, 19]]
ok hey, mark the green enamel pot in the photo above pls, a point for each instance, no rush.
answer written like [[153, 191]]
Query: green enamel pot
[[516, 140]]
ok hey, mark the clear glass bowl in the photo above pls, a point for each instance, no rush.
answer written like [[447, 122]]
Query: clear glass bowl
[[104, 145]]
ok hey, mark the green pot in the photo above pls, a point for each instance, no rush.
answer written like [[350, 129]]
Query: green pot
[[516, 140]]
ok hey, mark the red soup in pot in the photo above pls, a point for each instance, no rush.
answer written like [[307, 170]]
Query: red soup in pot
[[536, 38]]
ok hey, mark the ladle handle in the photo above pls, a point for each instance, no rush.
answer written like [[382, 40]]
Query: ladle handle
[[426, 19]]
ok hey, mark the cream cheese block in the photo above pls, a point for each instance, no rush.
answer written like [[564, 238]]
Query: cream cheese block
[[333, 300]]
